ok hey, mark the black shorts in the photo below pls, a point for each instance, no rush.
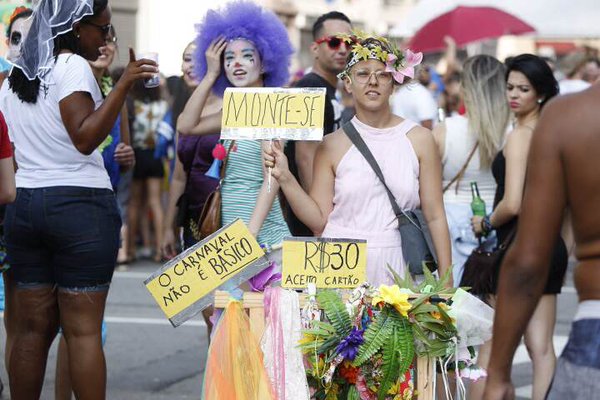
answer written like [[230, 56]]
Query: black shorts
[[64, 236], [146, 166]]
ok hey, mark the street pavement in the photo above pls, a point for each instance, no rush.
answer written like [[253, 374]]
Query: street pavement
[[148, 359]]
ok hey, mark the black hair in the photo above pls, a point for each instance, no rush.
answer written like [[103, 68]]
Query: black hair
[[318, 25], [537, 72], [28, 90], [180, 98], [26, 13]]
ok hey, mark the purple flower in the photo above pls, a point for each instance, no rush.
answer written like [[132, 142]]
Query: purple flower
[[348, 347]]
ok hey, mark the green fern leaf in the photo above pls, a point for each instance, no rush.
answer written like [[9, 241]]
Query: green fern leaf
[[353, 393], [407, 344], [336, 312], [390, 367], [376, 335]]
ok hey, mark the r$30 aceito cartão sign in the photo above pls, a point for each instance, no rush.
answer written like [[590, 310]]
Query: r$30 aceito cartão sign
[[185, 285], [325, 262]]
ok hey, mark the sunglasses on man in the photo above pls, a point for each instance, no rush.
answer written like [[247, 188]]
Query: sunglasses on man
[[334, 42]]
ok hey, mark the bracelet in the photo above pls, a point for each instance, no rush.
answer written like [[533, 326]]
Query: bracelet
[[486, 225]]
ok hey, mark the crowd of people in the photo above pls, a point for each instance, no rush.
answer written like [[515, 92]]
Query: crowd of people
[[104, 163]]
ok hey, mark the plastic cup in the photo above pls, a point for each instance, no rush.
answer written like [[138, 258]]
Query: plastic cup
[[155, 80]]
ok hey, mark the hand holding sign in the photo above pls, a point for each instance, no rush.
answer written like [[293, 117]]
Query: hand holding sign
[[275, 159]]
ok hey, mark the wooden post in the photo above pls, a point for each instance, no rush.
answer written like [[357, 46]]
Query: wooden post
[[253, 302]]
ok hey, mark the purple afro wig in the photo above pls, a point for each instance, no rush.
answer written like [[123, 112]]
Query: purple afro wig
[[246, 20]]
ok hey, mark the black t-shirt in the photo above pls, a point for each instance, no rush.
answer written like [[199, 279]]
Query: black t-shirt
[[332, 121]]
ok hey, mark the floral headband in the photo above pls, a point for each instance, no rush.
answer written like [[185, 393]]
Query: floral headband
[[363, 47]]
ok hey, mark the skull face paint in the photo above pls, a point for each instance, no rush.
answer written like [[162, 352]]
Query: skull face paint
[[242, 64], [18, 33]]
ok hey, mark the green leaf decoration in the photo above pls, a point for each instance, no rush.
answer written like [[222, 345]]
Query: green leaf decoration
[[420, 300], [328, 345], [390, 367], [441, 284], [429, 278], [398, 355], [336, 312], [353, 393], [421, 336], [376, 335], [446, 318], [407, 344]]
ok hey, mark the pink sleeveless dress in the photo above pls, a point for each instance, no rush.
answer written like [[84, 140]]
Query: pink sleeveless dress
[[361, 207]]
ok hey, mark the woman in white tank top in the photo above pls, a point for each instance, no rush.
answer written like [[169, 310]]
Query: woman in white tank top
[[467, 145]]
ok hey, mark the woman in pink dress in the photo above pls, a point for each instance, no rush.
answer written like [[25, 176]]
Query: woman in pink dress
[[346, 199]]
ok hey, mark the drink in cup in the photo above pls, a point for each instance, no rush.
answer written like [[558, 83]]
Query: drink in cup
[[155, 80]]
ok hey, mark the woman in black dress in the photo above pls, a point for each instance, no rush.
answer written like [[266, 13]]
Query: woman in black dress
[[529, 85]]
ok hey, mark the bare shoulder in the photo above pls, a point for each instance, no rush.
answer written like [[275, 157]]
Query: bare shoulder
[[335, 141], [575, 113], [421, 140], [334, 146]]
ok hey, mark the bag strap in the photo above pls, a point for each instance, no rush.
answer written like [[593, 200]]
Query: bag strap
[[362, 147], [461, 172]]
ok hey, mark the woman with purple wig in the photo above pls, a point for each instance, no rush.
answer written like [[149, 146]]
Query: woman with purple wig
[[241, 45]]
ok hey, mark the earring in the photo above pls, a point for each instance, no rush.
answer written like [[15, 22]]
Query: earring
[[540, 101]]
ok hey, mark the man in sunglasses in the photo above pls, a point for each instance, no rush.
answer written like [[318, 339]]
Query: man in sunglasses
[[329, 53]]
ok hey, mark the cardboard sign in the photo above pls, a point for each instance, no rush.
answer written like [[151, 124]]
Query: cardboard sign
[[328, 263], [184, 286], [273, 113]]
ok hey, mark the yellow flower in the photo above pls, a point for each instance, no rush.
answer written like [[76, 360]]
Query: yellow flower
[[394, 389], [394, 297], [363, 52], [307, 338], [381, 54]]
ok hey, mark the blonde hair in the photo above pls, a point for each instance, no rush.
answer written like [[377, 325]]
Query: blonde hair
[[484, 85]]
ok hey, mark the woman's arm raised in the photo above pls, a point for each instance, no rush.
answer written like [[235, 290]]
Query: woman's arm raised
[[88, 127], [191, 121]]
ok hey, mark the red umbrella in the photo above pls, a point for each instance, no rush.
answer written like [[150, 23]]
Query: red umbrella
[[466, 25]]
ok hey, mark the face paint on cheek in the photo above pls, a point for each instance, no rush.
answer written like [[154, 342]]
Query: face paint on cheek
[[20, 29], [242, 63]]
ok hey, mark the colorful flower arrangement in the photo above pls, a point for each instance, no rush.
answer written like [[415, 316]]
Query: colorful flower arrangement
[[366, 347], [365, 47]]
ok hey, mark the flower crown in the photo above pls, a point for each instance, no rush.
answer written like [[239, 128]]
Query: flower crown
[[366, 47]]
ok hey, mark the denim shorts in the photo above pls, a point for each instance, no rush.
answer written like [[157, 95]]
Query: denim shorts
[[577, 375], [65, 236]]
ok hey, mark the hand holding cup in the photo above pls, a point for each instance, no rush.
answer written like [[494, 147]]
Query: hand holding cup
[[138, 69]]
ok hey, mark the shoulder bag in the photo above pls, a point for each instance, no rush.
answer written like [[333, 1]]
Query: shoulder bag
[[482, 267], [210, 217], [417, 245]]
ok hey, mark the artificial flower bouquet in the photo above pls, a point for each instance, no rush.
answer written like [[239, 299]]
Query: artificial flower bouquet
[[366, 347]]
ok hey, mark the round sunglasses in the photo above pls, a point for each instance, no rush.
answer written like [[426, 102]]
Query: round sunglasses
[[334, 42]]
